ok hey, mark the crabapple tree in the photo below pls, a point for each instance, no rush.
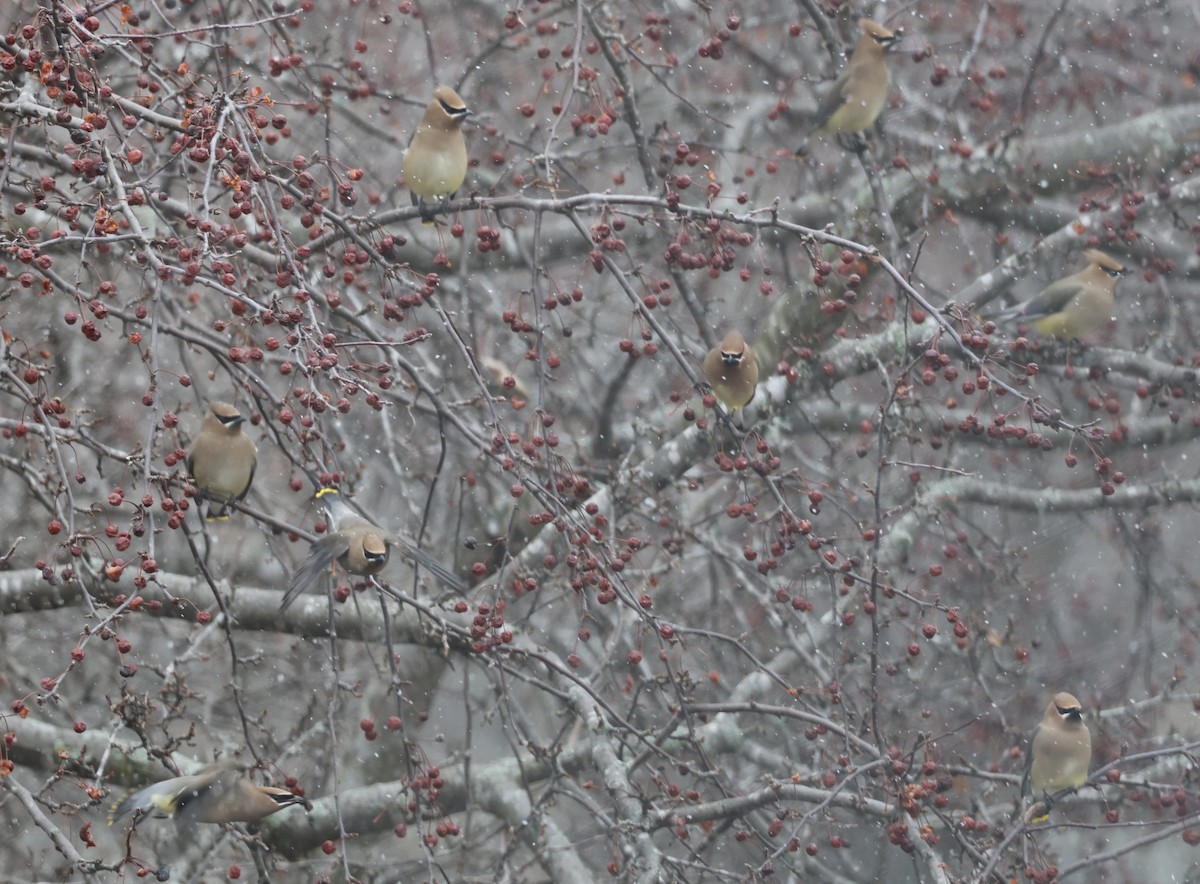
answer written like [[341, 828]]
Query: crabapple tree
[[810, 643]]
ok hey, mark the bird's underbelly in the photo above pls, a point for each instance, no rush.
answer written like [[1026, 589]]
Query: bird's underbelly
[[223, 480], [855, 115], [436, 175]]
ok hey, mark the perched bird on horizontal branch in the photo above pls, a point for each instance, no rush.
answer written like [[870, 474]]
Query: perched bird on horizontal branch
[[359, 546], [435, 163], [1075, 305]]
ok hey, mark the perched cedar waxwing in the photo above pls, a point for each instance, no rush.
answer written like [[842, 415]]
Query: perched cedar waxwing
[[859, 93], [218, 794], [223, 457], [1061, 750], [1075, 305], [360, 546], [435, 163], [732, 371]]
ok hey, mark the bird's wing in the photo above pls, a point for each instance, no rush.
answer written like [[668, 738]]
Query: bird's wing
[[167, 797], [1028, 772], [195, 795], [320, 556], [833, 100], [428, 562], [149, 799], [1051, 299], [250, 478]]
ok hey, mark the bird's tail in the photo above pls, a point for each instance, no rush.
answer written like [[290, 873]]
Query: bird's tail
[[148, 799]]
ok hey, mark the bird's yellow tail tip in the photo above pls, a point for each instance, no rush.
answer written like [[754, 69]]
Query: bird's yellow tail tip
[[1037, 813]]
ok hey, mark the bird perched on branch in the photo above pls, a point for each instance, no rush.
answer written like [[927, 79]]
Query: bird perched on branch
[[359, 546], [218, 794], [222, 458], [732, 371], [1061, 750], [858, 95], [1075, 305], [435, 163]]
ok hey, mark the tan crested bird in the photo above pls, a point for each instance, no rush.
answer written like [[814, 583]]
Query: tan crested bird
[[435, 163], [218, 794], [1075, 305], [359, 546], [732, 371], [1061, 751], [858, 95], [222, 459]]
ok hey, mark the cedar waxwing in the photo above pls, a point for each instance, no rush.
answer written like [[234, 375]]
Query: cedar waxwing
[[732, 371], [360, 546], [1061, 749], [223, 457], [859, 93], [218, 794], [1075, 305], [435, 163]]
